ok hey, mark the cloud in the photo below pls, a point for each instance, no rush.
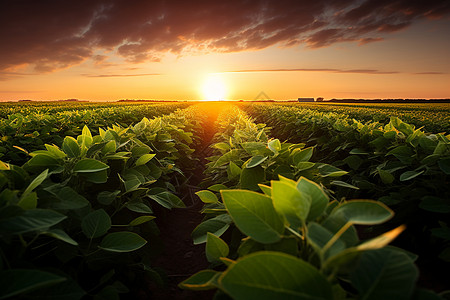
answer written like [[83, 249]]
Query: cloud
[[355, 71], [52, 34], [120, 75], [332, 70]]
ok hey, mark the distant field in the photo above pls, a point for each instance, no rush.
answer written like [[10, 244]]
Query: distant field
[[434, 117]]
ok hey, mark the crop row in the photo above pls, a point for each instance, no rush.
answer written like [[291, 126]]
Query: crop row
[[433, 117], [76, 219], [31, 126], [276, 228]]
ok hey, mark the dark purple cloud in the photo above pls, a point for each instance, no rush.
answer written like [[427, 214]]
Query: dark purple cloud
[[55, 34]]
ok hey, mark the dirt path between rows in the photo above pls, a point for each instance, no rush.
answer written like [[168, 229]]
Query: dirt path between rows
[[180, 257]]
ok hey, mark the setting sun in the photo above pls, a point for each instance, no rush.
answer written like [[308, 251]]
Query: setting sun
[[214, 89]]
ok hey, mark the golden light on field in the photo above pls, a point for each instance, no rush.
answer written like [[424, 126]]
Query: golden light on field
[[214, 88]]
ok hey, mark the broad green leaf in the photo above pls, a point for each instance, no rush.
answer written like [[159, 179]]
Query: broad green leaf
[[42, 161], [386, 176], [318, 236], [29, 201], [358, 151], [254, 215], [60, 235], [207, 196], [408, 175], [106, 197], [319, 200], [444, 165], [217, 187], [364, 212], [435, 204], [96, 177], [68, 198], [217, 225], [303, 155], [255, 161], [384, 274], [222, 146], [139, 207], [96, 224], [215, 248], [330, 171], [266, 189], [250, 178], [344, 184], [30, 220], [304, 165], [290, 203], [274, 146], [18, 281], [89, 165], [144, 159], [200, 281], [233, 170], [55, 151], [71, 147], [35, 183], [167, 200], [141, 220], [123, 241], [272, 275]]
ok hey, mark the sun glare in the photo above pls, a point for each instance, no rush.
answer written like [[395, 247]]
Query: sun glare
[[214, 89]]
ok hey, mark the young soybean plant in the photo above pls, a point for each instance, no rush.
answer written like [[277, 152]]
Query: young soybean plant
[[299, 245]]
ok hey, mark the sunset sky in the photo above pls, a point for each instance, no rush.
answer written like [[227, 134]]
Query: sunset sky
[[118, 49]]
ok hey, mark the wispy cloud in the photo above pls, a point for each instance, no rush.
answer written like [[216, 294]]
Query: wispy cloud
[[332, 70], [52, 35], [120, 75]]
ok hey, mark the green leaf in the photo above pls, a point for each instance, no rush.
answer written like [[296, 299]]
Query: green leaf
[[303, 155], [123, 241], [18, 281], [330, 171], [60, 235], [144, 159], [42, 161], [254, 215], [217, 225], [35, 183], [386, 176], [274, 146], [344, 184], [141, 220], [200, 281], [207, 196], [272, 275], [250, 178], [255, 161], [167, 200], [96, 177], [319, 200], [435, 204], [408, 175], [215, 248], [29, 201], [68, 198], [222, 146], [217, 187], [89, 165], [290, 203], [364, 212], [106, 198], [384, 274], [444, 165], [318, 236], [96, 224], [30, 220], [71, 147], [139, 207], [304, 165], [233, 170], [358, 151]]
